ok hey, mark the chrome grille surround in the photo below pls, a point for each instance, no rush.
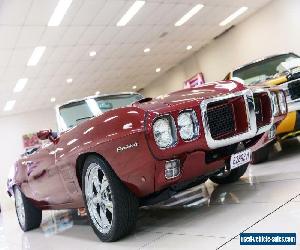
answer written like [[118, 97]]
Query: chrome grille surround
[[251, 120]]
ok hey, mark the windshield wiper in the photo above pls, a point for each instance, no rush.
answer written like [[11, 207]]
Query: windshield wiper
[[84, 118]]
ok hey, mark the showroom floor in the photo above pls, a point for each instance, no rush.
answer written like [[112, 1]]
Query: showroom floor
[[266, 200]]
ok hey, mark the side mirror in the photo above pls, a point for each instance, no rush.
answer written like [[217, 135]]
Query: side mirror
[[44, 134]]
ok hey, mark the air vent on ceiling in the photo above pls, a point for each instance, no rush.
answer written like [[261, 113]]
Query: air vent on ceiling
[[224, 32]]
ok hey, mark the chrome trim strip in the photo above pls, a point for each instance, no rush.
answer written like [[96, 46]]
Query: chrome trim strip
[[251, 117]]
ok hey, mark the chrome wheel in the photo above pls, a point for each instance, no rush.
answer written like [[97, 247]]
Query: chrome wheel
[[20, 207], [99, 198]]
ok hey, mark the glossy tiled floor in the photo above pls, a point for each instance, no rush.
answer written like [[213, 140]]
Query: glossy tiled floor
[[265, 200]]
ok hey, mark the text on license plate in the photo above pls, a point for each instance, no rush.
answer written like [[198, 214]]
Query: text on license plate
[[240, 159]]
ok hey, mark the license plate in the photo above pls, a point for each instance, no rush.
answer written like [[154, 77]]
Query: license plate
[[240, 159]]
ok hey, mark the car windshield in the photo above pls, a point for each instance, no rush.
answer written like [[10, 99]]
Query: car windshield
[[73, 113], [267, 69]]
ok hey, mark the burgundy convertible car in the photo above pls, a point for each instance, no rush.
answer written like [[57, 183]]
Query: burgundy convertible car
[[114, 153]]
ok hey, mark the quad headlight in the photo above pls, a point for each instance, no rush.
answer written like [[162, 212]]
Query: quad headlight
[[188, 125], [282, 102], [164, 131], [275, 106]]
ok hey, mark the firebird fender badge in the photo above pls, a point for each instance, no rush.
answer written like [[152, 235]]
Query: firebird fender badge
[[128, 146]]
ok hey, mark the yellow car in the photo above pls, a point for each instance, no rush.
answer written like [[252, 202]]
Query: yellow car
[[279, 71]]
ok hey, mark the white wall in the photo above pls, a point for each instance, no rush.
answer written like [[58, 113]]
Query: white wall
[[11, 146], [272, 30]]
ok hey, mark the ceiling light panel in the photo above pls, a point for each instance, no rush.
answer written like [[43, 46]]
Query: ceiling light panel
[[131, 12], [20, 85], [9, 105], [189, 15], [36, 56], [59, 12], [233, 16]]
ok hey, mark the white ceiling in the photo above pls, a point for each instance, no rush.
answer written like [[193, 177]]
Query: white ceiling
[[91, 25]]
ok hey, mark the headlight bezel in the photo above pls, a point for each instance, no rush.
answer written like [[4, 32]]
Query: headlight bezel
[[172, 126], [195, 122]]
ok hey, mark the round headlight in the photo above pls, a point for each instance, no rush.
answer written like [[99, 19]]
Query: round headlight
[[188, 125], [275, 106], [282, 102], [164, 132]]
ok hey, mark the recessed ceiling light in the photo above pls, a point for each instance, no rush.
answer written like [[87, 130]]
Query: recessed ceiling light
[[147, 50], [189, 15], [59, 12], [158, 70], [69, 80], [97, 93], [189, 47], [9, 105], [233, 16], [131, 12], [36, 56], [134, 87], [53, 99], [92, 53], [20, 85]]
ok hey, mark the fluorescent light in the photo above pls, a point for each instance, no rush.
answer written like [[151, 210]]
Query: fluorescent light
[[59, 12], [97, 93], [53, 99], [20, 85], [92, 53], [131, 12], [9, 105], [189, 47], [233, 16], [189, 15], [134, 87], [158, 70], [147, 50], [36, 56], [69, 80]]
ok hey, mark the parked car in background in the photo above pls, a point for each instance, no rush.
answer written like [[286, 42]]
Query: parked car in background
[[279, 71], [114, 153]]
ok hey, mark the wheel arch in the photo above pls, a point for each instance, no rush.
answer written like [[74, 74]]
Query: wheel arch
[[80, 163]]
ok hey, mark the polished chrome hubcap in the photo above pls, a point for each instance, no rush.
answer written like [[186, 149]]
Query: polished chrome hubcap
[[98, 198], [20, 207]]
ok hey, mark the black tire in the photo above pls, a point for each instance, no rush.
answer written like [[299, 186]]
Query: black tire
[[125, 204], [261, 155], [233, 176], [32, 215]]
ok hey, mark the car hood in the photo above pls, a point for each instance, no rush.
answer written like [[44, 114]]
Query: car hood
[[198, 94]]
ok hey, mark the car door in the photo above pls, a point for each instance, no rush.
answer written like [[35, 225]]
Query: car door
[[43, 176]]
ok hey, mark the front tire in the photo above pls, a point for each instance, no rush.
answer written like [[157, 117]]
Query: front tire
[[29, 216], [261, 155], [230, 176], [112, 209]]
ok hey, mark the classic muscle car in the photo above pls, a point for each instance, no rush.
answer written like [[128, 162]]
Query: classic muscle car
[[282, 71], [114, 153]]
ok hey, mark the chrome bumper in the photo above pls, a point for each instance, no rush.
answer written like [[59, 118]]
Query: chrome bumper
[[294, 105], [251, 117]]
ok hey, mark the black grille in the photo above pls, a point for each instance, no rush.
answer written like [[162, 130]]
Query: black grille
[[258, 110], [294, 89], [220, 120]]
